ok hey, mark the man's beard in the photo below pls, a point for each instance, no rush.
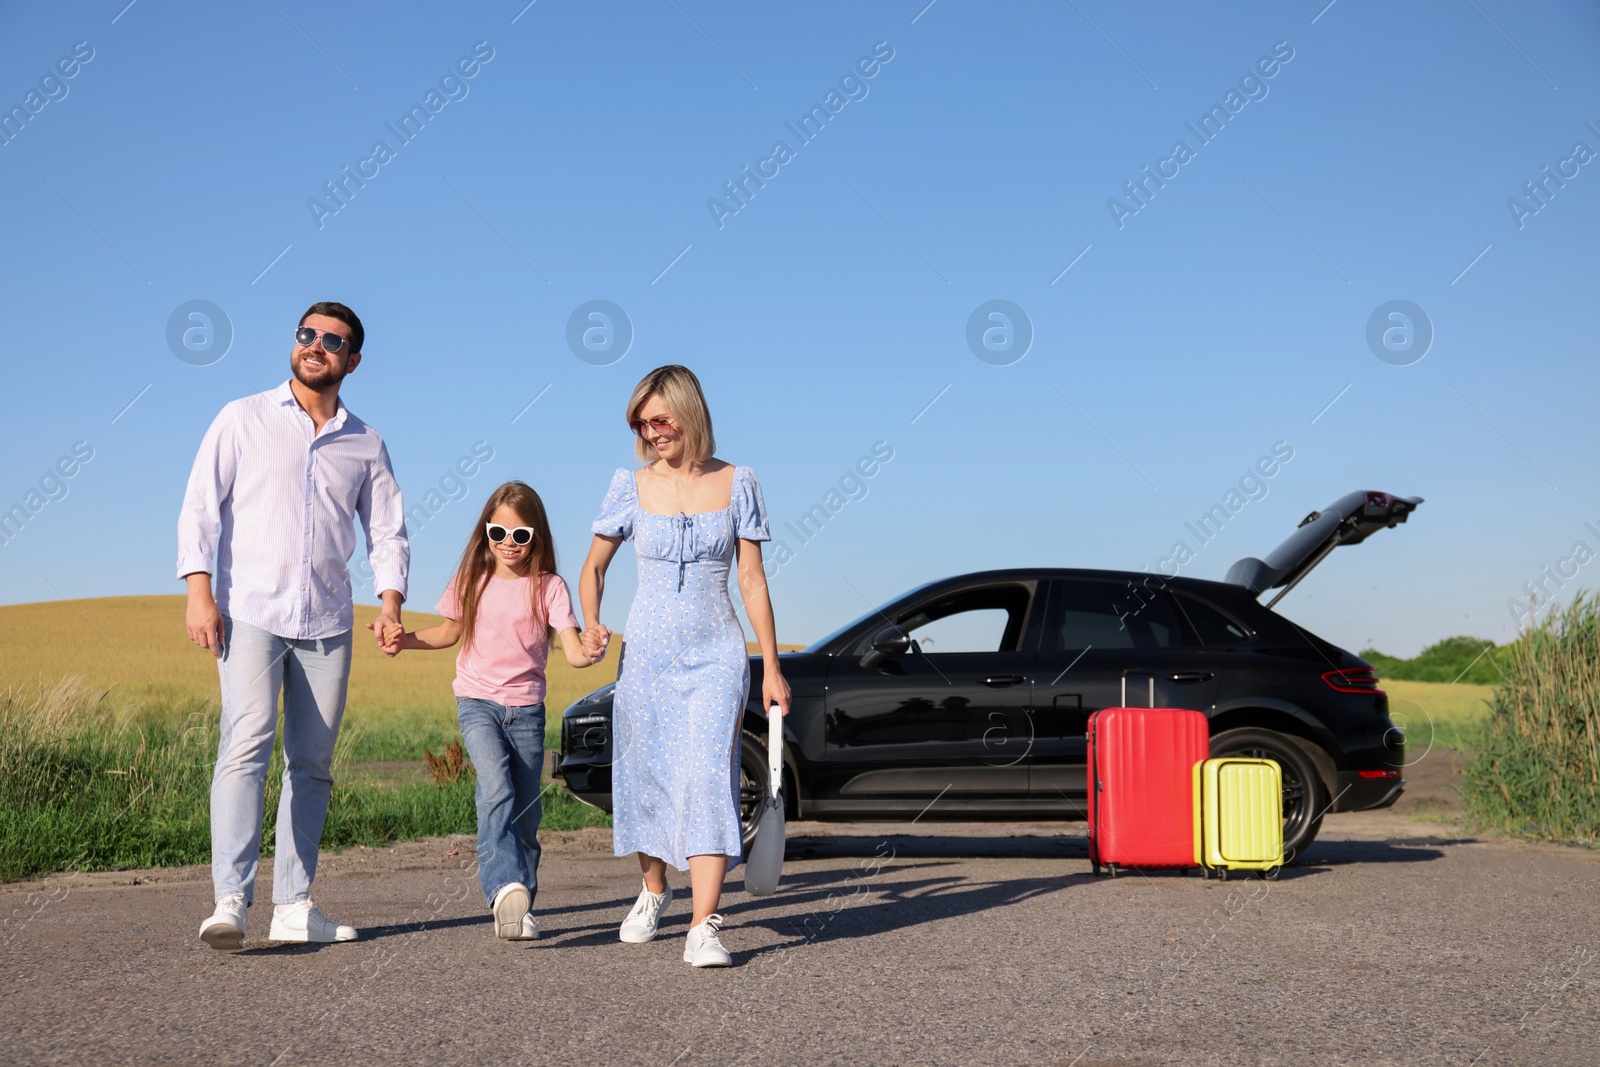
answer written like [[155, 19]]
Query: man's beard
[[320, 382]]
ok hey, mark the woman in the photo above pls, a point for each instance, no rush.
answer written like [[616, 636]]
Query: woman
[[685, 677]]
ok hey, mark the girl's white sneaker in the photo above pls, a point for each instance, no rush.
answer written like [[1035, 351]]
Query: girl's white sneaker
[[704, 948], [640, 925], [225, 928], [510, 908]]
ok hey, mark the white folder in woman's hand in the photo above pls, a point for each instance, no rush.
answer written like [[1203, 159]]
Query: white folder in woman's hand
[[764, 866]]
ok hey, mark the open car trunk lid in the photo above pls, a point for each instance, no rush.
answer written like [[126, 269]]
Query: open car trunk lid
[[1347, 521]]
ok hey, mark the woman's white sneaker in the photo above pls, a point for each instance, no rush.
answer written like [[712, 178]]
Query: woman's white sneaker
[[301, 921], [510, 907], [225, 928], [640, 925], [704, 948]]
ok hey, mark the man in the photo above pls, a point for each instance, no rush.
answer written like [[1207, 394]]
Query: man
[[270, 510]]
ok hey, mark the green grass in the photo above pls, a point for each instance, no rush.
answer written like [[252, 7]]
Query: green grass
[[400, 736], [89, 784], [405, 735]]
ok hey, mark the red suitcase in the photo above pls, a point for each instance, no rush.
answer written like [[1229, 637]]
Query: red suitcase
[[1141, 784]]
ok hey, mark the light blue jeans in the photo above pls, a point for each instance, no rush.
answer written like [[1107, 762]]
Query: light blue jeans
[[506, 745], [313, 677]]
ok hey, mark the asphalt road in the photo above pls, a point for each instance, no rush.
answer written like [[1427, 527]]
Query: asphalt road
[[1394, 942]]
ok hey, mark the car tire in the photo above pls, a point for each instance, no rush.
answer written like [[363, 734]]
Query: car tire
[[1305, 799]]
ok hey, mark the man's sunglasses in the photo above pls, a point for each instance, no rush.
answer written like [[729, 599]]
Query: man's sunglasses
[[520, 535], [661, 425], [305, 336]]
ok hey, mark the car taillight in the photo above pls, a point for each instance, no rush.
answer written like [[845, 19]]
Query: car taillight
[[1379, 774], [1353, 680]]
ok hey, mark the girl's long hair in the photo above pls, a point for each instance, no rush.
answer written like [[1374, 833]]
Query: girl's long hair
[[478, 563]]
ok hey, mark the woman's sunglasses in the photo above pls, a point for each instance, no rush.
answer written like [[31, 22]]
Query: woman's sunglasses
[[305, 336], [661, 425], [520, 535]]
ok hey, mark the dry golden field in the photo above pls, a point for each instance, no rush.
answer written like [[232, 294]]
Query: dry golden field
[[136, 646]]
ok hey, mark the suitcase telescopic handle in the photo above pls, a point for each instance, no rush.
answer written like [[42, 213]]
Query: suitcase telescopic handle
[[1151, 675]]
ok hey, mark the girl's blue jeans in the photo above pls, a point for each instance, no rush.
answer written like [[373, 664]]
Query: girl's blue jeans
[[506, 746]]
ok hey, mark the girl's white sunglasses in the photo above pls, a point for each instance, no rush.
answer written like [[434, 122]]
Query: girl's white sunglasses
[[520, 535]]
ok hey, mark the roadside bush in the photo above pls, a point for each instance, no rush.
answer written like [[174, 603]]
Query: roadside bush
[[1455, 659], [1536, 770]]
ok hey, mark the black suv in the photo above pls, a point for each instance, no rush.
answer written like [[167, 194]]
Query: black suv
[[969, 697]]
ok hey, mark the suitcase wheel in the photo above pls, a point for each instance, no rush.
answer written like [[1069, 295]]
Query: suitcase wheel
[[1111, 869], [1270, 874], [1095, 867], [1222, 873]]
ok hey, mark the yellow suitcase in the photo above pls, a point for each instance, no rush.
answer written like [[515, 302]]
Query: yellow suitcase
[[1238, 816]]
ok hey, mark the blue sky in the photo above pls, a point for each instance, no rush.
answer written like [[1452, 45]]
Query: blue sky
[[831, 310]]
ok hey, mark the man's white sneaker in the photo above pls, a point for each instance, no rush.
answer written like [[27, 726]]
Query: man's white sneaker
[[704, 948], [510, 908], [530, 928], [225, 928], [301, 921], [640, 925]]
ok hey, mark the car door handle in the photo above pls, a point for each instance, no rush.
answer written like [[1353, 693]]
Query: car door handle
[[1193, 676], [999, 680]]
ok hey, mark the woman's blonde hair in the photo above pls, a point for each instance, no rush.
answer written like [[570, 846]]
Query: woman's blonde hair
[[680, 391]]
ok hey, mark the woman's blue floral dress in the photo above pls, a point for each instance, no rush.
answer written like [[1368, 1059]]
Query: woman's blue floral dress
[[684, 676]]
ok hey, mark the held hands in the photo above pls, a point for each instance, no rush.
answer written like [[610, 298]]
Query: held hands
[[389, 635], [594, 642]]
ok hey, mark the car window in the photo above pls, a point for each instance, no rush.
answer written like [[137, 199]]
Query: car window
[[1213, 626], [989, 619], [977, 630], [1110, 615]]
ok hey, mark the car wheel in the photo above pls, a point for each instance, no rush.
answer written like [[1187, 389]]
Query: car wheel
[[1304, 798]]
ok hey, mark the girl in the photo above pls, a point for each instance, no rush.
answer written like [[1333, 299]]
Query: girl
[[505, 600], [685, 675]]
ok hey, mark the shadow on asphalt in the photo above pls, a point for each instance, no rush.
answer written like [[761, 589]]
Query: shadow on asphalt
[[1347, 853], [952, 847], [365, 933], [874, 900], [875, 896], [870, 906]]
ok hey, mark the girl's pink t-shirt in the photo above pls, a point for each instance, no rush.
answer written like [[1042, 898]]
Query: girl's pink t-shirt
[[509, 649]]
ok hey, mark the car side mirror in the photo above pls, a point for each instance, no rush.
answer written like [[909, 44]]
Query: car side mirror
[[889, 641]]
